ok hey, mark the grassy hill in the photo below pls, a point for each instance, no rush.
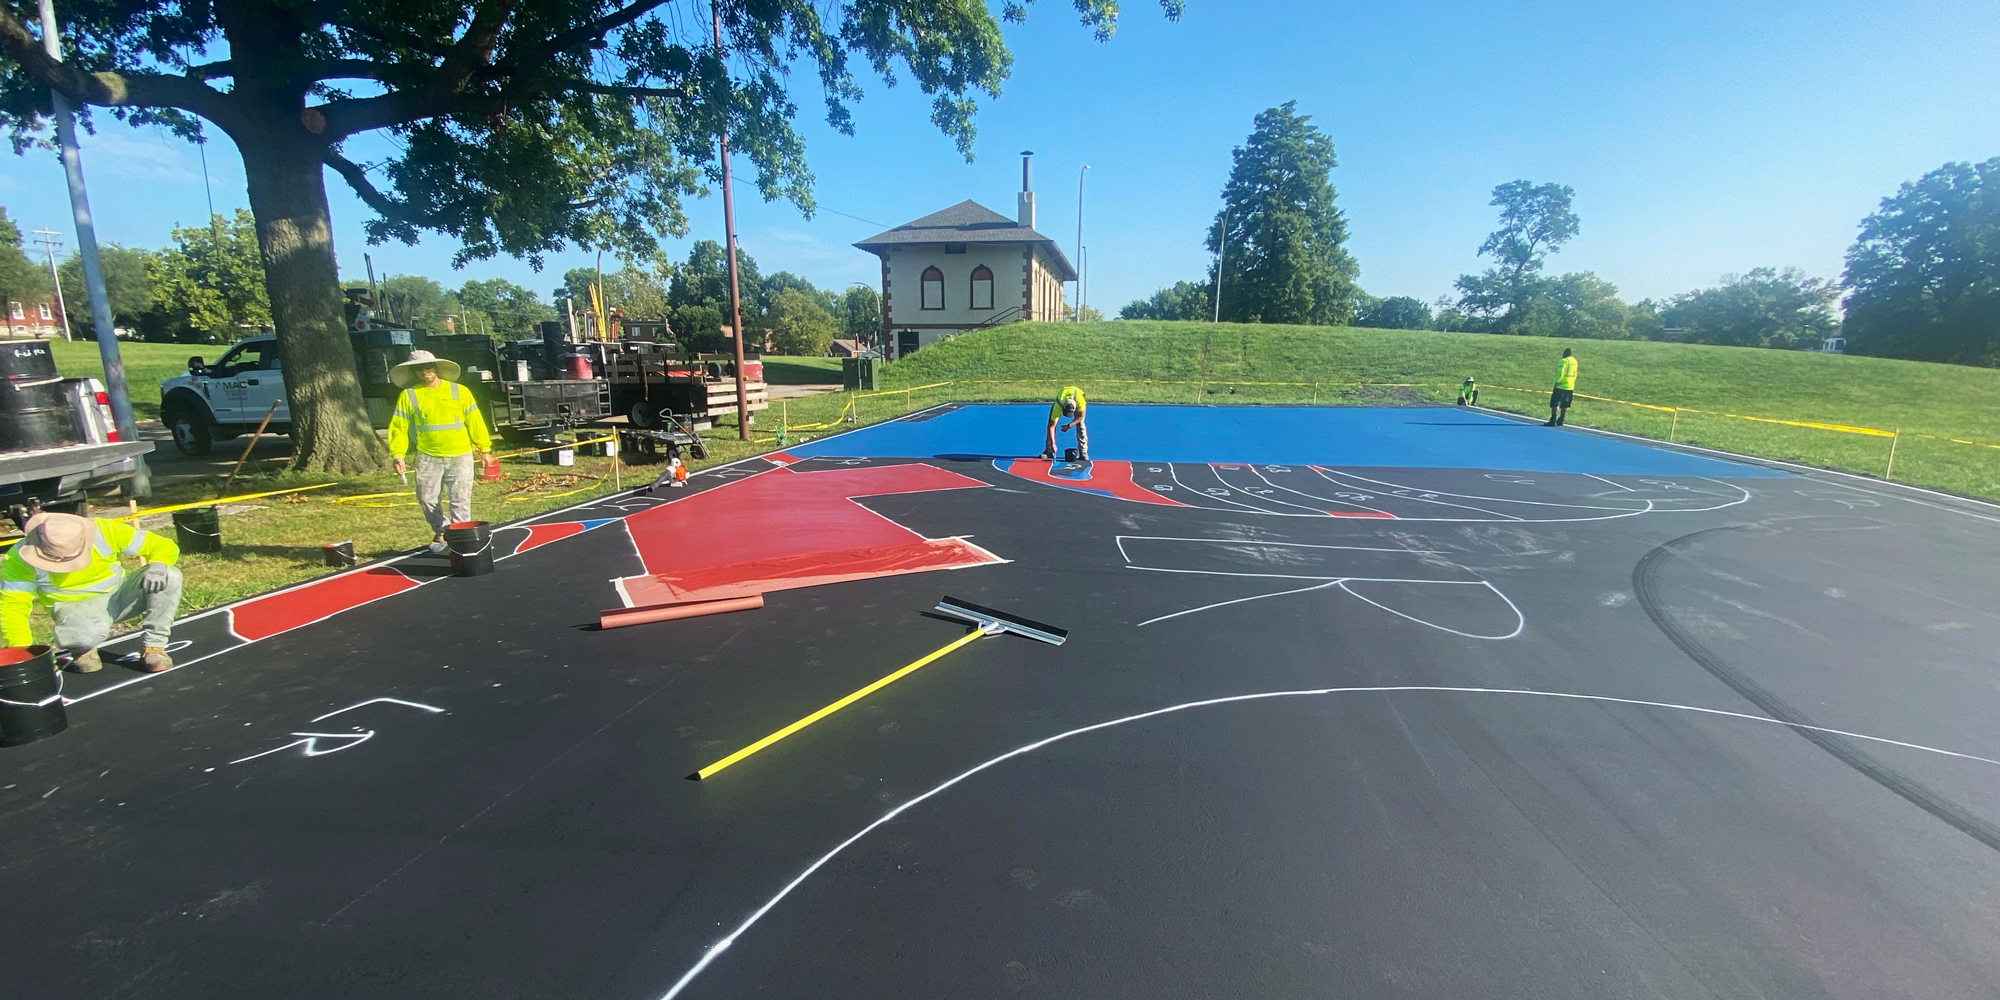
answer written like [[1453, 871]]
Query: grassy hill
[[1929, 404]]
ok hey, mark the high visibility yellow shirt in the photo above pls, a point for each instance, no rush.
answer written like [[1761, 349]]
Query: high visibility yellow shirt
[[445, 418], [22, 585], [1566, 374], [1069, 392]]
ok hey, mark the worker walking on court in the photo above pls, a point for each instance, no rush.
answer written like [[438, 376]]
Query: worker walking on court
[[73, 566], [441, 418], [1565, 390], [1469, 392], [1069, 404]]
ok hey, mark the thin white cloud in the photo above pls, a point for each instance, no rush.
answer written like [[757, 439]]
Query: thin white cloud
[[118, 152]]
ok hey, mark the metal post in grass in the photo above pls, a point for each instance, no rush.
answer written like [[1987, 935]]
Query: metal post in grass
[[1675, 426], [1890, 472]]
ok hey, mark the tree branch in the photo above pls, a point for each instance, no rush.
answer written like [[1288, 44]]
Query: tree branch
[[371, 195], [209, 71], [587, 32], [136, 90]]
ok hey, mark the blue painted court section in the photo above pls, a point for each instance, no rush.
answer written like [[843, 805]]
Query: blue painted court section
[[1391, 437]]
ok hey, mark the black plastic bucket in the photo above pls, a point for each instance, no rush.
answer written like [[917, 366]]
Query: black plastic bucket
[[31, 705], [471, 544], [34, 408], [198, 529]]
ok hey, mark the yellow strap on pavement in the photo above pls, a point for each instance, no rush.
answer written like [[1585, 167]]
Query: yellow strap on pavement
[[711, 769]]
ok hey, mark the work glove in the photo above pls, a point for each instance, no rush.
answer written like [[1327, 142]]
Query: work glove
[[153, 579]]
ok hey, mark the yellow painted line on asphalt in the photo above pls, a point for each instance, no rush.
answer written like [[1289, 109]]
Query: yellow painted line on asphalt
[[739, 755]]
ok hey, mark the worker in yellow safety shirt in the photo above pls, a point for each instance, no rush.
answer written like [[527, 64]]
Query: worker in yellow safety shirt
[[442, 419], [1069, 404], [1565, 390], [1468, 392], [72, 565]]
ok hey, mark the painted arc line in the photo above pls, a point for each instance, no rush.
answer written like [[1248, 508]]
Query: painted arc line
[[715, 950]]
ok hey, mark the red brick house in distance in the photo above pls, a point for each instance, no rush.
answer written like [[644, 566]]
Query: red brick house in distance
[[965, 268]]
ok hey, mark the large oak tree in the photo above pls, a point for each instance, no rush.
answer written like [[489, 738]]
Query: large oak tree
[[517, 126]]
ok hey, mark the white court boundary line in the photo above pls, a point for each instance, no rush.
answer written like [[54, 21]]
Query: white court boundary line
[[723, 944]]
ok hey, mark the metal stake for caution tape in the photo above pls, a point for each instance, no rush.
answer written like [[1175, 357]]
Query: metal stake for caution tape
[[1890, 472], [1676, 425]]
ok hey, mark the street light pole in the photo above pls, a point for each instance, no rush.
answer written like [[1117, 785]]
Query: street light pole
[[1221, 248], [729, 231], [1079, 242], [86, 246]]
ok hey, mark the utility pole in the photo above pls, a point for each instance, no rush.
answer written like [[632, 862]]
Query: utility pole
[[729, 231], [86, 246], [1221, 248], [1079, 242], [51, 241]]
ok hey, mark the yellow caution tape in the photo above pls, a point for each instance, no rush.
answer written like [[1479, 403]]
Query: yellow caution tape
[[211, 503]]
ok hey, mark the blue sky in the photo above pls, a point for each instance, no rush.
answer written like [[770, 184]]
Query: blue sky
[[1702, 138]]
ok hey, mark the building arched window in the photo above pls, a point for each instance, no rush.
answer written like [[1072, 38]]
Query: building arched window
[[933, 288], [982, 287]]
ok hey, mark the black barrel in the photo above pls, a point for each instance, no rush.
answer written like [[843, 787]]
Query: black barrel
[[471, 544], [198, 529], [31, 705], [34, 411]]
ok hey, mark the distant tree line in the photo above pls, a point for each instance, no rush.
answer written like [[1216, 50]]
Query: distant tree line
[[208, 287], [1922, 281]]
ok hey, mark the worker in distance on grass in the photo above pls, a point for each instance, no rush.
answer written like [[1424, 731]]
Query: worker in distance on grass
[[1069, 404], [1565, 390], [444, 420], [73, 566], [1468, 392]]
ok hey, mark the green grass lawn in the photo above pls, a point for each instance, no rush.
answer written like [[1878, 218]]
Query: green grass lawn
[[1221, 363], [796, 370]]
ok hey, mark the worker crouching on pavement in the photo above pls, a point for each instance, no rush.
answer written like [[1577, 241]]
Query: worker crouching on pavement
[[442, 419], [1564, 392], [1069, 404], [72, 565]]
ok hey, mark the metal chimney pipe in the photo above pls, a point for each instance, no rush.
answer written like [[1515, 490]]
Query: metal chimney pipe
[[1026, 155]]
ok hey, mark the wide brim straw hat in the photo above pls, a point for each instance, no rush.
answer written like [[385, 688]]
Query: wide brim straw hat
[[57, 543], [405, 374]]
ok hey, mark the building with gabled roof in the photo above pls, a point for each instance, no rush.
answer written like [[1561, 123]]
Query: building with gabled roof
[[965, 268]]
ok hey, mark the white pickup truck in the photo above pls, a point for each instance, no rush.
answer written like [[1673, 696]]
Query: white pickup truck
[[216, 402]]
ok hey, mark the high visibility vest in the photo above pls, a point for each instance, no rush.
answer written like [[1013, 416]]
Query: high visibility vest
[[1566, 374], [1069, 392], [443, 418], [23, 586]]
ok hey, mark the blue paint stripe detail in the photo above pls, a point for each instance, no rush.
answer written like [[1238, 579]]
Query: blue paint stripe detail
[[1341, 437], [594, 522]]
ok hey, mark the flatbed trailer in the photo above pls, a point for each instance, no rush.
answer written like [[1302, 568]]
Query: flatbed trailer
[[648, 383]]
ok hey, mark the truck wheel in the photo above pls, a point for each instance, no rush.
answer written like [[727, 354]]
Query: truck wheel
[[644, 415], [191, 434]]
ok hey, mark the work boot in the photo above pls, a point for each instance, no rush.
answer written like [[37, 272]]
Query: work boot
[[1049, 455], [1551, 422], [437, 547], [86, 662], [154, 660]]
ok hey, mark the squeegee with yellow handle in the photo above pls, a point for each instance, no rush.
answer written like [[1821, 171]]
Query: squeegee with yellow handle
[[985, 622]]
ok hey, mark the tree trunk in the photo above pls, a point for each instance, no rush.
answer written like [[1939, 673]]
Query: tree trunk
[[288, 197]]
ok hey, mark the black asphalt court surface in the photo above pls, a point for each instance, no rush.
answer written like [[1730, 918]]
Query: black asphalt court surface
[[1320, 728]]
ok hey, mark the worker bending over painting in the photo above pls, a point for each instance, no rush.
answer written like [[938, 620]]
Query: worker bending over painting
[[1069, 405], [442, 419], [74, 566]]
